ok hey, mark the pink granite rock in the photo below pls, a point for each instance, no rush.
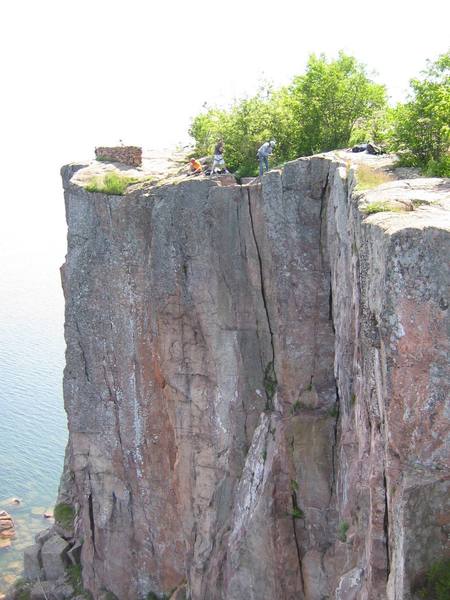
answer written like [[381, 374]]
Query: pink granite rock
[[257, 387]]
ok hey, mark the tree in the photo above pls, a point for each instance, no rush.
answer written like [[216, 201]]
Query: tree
[[244, 127], [330, 99], [422, 124], [316, 113]]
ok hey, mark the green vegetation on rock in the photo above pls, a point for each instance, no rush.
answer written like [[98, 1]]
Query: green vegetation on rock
[[64, 515], [75, 579], [334, 104], [380, 206], [22, 589], [297, 513], [421, 126], [368, 178], [436, 584], [317, 112], [111, 183], [342, 531]]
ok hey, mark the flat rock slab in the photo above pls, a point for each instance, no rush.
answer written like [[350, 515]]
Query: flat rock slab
[[31, 562], [53, 555]]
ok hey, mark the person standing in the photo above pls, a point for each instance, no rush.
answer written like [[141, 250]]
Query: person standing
[[218, 160], [263, 155]]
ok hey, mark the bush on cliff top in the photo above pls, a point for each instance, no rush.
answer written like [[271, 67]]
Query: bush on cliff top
[[317, 112], [422, 125], [334, 104], [111, 183]]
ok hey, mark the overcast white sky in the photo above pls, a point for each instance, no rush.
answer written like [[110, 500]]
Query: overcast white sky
[[84, 73]]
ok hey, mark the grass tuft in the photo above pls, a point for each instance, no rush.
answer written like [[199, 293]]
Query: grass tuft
[[297, 513], [342, 531], [368, 178], [380, 206], [64, 515], [76, 581], [111, 183]]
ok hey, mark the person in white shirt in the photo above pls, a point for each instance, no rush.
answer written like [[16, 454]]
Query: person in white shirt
[[263, 155]]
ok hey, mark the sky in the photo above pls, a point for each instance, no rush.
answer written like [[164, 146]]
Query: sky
[[76, 75]]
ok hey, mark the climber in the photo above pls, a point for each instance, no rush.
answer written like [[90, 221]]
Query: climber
[[195, 167], [263, 155], [218, 160]]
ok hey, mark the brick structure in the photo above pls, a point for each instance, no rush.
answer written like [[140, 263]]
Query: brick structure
[[128, 155]]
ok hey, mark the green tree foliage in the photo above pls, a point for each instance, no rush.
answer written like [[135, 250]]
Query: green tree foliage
[[317, 112], [422, 125], [330, 100], [244, 127]]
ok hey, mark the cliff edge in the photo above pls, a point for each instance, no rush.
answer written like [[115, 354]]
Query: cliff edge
[[257, 386]]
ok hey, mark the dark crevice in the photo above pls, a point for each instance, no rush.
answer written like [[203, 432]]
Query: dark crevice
[[320, 270], [299, 556], [83, 355], [270, 379], [330, 308], [91, 520], [323, 212], [334, 446], [386, 527]]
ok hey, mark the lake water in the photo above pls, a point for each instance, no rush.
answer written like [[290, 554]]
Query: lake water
[[33, 429]]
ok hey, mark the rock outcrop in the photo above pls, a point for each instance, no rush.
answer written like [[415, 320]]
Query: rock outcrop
[[257, 387], [7, 529]]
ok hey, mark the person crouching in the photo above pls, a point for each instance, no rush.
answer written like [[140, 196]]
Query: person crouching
[[195, 167]]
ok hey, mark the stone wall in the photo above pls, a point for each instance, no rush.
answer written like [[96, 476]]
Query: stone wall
[[127, 155]]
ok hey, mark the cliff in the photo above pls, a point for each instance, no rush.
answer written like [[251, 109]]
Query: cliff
[[257, 386]]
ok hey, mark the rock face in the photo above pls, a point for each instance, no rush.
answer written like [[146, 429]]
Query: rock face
[[257, 387]]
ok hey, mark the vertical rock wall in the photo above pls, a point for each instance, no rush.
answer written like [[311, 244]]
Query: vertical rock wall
[[255, 388]]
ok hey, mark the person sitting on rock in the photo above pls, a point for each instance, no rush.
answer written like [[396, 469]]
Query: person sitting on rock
[[218, 160], [195, 167], [263, 155]]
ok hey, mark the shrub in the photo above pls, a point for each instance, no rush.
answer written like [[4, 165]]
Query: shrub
[[422, 125], [317, 112], [111, 183], [342, 531], [333, 411], [64, 515], [297, 513], [75, 579], [22, 589], [436, 585]]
